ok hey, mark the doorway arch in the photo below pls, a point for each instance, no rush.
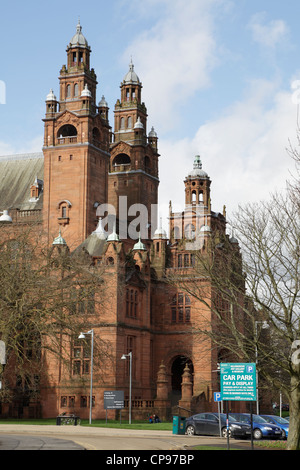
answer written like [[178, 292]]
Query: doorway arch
[[177, 368]]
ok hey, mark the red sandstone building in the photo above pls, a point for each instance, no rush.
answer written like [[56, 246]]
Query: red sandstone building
[[84, 165]]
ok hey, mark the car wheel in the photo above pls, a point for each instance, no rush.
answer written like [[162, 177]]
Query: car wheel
[[257, 434], [283, 435], [190, 430], [224, 432]]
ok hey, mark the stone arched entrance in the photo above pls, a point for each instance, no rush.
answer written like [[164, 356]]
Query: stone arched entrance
[[177, 368]]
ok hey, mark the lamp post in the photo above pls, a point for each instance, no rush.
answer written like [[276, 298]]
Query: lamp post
[[82, 336], [265, 326], [130, 379]]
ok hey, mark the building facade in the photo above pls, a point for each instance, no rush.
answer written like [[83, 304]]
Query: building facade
[[88, 184]]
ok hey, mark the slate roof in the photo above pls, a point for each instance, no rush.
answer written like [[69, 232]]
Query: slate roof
[[17, 174]]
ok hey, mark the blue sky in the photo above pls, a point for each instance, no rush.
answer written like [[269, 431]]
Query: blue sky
[[217, 81]]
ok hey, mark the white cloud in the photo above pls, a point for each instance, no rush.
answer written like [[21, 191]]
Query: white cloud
[[268, 34], [32, 146], [174, 57], [243, 151]]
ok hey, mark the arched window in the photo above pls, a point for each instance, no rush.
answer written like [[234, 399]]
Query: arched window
[[67, 131], [63, 211], [68, 91], [129, 123], [121, 159], [132, 297], [177, 232], [122, 123], [189, 231], [76, 89], [96, 134]]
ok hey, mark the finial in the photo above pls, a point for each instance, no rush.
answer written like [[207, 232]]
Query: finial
[[131, 66], [59, 240], [197, 162], [99, 232], [79, 28]]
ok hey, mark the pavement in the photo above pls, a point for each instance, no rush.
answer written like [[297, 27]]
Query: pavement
[[51, 437]]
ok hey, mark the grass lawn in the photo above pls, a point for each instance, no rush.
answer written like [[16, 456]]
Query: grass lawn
[[96, 423]]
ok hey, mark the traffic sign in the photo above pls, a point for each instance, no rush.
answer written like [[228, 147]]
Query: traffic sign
[[238, 381], [217, 396]]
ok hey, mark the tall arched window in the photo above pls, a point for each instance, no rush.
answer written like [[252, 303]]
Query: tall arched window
[[189, 231], [76, 89], [132, 297]]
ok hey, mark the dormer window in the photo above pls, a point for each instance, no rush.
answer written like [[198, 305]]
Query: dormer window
[[36, 189]]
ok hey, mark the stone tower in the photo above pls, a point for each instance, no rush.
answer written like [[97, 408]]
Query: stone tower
[[133, 173], [76, 148]]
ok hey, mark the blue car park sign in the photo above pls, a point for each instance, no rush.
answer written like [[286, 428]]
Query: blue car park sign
[[238, 381]]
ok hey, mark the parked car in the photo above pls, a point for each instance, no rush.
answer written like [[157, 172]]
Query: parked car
[[278, 421], [209, 424], [261, 428], [284, 406]]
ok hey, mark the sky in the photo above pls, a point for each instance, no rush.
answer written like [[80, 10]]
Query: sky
[[221, 79]]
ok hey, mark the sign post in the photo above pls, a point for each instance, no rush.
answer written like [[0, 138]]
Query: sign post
[[113, 400], [217, 398], [238, 383]]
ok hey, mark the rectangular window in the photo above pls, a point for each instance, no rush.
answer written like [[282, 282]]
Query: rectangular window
[[173, 314], [81, 353], [187, 314], [180, 314], [76, 367], [83, 402], [180, 308]]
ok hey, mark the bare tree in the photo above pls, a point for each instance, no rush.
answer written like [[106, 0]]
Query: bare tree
[[47, 296], [253, 284]]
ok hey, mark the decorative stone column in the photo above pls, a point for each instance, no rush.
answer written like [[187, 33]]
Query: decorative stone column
[[161, 403], [186, 392]]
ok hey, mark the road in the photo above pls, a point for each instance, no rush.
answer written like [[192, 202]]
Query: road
[[47, 437]]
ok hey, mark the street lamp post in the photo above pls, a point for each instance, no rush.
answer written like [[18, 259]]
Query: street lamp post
[[82, 336], [265, 326], [130, 380]]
